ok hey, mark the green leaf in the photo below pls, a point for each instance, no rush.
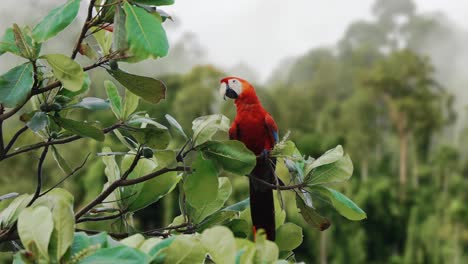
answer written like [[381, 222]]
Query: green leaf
[[145, 34], [22, 44], [120, 254], [336, 172], [311, 216], [267, 251], [8, 43], [61, 162], [80, 128], [55, 196], [57, 19], [34, 233], [15, 85], [176, 125], [112, 172], [284, 149], [231, 155], [91, 103], [38, 122], [134, 241], [130, 104], [155, 2], [205, 127], [10, 214], [103, 38], [224, 191], [288, 237], [64, 228], [66, 71], [342, 204], [156, 137], [120, 34], [155, 189], [184, 250], [114, 98], [84, 88], [246, 251], [149, 89], [143, 167], [220, 244], [331, 156], [201, 186]]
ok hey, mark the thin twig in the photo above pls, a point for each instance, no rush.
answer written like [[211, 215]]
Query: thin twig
[[15, 137], [39, 174], [121, 182], [278, 187], [66, 177], [86, 26], [100, 218], [93, 232], [56, 142]]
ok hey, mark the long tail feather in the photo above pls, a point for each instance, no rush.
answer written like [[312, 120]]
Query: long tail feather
[[261, 198]]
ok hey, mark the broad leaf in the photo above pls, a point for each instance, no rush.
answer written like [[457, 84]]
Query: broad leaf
[[231, 155], [84, 88], [155, 137], [149, 89], [8, 43], [145, 33], [112, 172], [288, 237], [220, 244], [61, 162], [311, 216], [335, 172], [134, 241], [10, 214], [64, 228], [66, 71], [22, 43], [224, 191], [201, 186], [131, 193], [176, 125], [114, 98], [80, 128], [205, 127], [342, 204], [130, 104], [267, 251], [34, 234], [57, 19], [184, 250], [120, 42], [120, 254], [38, 122], [15, 85], [91, 103], [103, 38], [328, 157]]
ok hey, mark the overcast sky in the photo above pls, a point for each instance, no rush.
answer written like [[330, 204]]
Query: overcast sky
[[258, 33], [262, 32]]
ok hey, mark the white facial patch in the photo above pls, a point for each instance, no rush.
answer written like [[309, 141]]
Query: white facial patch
[[222, 89], [236, 85]]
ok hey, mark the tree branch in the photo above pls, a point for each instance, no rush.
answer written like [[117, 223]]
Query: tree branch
[[56, 142], [66, 177], [14, 138], [84, 29], [278, 187], [122, 182], [39, 175], [100, 218]]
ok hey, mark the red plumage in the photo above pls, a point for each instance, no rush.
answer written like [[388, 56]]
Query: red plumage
[[255, 127]]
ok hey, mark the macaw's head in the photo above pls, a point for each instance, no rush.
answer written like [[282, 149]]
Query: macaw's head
[[238, 89]]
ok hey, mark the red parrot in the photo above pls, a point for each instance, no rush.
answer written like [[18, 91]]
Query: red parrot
[[255, 127]]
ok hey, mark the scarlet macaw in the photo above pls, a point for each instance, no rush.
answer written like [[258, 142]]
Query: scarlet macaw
[[255, 127]]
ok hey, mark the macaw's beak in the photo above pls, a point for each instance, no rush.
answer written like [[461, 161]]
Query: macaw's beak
[[230, 93]]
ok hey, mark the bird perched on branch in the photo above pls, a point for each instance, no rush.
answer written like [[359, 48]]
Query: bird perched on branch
[[255, 127]]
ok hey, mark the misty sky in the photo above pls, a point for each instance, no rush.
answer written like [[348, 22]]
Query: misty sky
[[258, 33], [262, 32]]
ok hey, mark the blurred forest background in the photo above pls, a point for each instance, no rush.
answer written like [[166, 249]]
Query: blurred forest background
[[392, 91]]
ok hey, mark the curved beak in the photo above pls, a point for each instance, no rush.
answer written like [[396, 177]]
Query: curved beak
[[225, 90]]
